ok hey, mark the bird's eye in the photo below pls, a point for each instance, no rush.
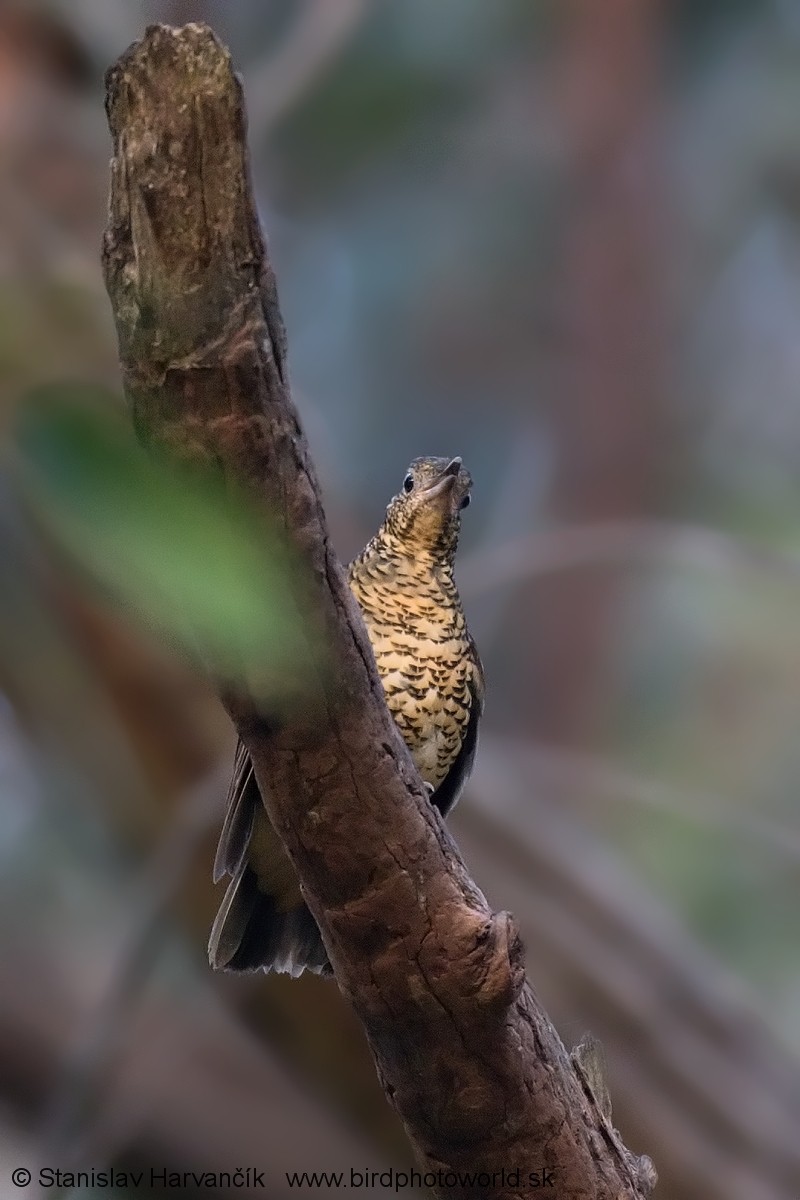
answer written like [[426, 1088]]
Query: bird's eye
[[465, 503], [408, 482]]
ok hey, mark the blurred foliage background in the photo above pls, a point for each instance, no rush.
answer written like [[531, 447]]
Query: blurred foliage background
[[562, 239]]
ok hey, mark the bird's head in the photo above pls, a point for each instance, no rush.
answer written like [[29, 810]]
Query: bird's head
[[424, 516]]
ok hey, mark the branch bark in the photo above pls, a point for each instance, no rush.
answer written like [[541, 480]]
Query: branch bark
[[464, 1050]]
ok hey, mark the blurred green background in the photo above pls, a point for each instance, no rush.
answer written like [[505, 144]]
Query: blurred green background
[[562, 239]]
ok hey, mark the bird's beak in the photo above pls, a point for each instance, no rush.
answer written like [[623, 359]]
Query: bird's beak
[[444, 484]]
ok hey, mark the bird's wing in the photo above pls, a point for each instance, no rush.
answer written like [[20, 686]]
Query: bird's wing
[[240, 809], [450, 788], [263, 920], [248, 837]]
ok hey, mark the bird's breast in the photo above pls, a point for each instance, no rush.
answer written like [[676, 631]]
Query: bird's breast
[[421, 645], [426, 676]]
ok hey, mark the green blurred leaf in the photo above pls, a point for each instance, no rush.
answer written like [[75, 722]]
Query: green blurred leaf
[[175, 546]]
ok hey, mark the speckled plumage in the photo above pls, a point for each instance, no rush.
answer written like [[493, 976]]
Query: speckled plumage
[[403, 581], [432, 677]]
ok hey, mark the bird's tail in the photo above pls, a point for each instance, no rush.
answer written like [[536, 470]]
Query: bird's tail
[[251, 932]]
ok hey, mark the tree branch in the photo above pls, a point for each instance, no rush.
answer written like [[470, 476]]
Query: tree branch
[[463, 1049]]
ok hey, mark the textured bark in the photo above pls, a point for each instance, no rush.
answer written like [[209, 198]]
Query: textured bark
[[463, 1049]]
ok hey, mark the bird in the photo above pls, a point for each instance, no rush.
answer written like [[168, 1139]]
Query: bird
[[403, 581]]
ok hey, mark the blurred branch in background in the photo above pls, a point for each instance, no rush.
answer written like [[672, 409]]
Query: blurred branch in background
[[104, 24], [609, 318], [613, 787], [687, 1044], [283, 76], [52, 193], [622, 543], [46, 677], [75, 1103], [189, 1088]]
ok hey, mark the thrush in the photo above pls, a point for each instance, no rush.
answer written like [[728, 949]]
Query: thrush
[[433, 681]]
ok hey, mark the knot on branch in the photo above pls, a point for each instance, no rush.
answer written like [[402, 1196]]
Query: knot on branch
[[473, 974], [491, 972], [645, 1173]]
